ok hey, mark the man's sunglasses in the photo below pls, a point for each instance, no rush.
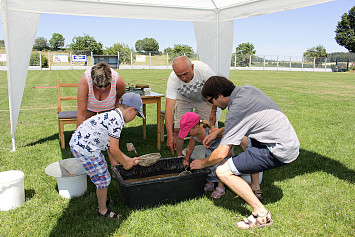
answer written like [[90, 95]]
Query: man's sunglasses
[[210, 100], [102, 86]]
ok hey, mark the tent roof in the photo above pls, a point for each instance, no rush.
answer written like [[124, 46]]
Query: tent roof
[[213, 23], [179, 10]]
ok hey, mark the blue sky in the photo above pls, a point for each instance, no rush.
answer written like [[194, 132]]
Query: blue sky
[[288, 33]]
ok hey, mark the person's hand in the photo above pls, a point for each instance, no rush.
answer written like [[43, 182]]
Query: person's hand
[[207, 141], [197, 164], [136, 160], [171, 143], [130, 163], [185, 163]]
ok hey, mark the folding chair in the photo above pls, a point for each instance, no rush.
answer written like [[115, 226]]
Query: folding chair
[[64, 117]]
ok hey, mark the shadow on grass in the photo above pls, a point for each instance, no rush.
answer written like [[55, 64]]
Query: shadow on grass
[[43, 140], [307, 162], [29, 193], [79, 218]]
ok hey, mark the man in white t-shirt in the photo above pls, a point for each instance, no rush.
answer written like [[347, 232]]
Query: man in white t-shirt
[[183, 94]]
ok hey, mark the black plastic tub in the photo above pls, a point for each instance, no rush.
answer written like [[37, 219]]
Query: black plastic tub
[[153, 190]]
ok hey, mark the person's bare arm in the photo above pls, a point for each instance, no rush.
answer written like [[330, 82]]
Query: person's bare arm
[[82, 100], [169, 120], [190, 148], [115, 152], [217, 132], [120, 89], [217, 155]]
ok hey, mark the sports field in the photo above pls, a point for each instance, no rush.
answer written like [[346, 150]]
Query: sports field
[[313, 196]]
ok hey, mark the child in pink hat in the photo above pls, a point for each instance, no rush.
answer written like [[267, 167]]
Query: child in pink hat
[[198, 129]]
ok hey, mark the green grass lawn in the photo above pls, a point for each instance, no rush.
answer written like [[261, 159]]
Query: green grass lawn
[[313, 196]]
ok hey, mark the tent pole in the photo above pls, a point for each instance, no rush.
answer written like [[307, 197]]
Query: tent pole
[[5, 22], [217, 42], [13, 142]]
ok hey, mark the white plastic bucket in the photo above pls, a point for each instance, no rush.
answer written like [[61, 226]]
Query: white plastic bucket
[[72, 186], [12, 190]]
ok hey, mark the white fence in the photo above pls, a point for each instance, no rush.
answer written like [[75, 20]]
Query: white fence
[[79, 60], [280, 63]]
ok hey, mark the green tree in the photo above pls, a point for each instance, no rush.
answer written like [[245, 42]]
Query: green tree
[[123, 49], [139, 45], [318, 52], [40, 44], [57, 41], [179, 50], [2, 44], [243, 51], [345, 31], [86, 42], [341, 57], [147, 45], [168, 50], [34, 60]]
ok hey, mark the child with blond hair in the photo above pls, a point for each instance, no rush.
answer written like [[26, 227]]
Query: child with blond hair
[[198, 129]]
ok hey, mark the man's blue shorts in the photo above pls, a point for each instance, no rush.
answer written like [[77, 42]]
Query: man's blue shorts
[[256, 158]]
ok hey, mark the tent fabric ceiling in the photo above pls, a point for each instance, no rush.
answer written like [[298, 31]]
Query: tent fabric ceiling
[[213, 24], [179, 10]]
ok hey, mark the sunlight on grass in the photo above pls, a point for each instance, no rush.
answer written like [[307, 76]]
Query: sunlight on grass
[[313, 196]]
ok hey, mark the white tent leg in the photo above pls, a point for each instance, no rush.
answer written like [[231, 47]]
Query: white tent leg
[[19, 35], [216, 51], [13, 142]]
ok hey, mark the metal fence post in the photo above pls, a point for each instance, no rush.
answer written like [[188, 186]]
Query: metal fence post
[[40, 60], [314, 64], [70, 60], [325, 64], [167, 60], [277, 63], [131, 60], [264, 62], [290, 63], [302, 63], [150, 60], [49, 60], [250, 61]]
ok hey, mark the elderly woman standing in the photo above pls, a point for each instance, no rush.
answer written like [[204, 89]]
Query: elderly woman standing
[[99, 90]]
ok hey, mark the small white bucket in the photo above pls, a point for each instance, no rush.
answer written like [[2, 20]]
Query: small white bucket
[[12, 190], [72, 186], [70, 175]]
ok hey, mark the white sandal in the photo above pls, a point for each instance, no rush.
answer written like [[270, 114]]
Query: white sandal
[[255, 220]]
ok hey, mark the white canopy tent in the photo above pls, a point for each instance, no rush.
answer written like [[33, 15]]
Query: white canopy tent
[[213, 24]]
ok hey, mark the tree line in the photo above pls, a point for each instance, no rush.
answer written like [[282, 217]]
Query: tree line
[[88, 43]]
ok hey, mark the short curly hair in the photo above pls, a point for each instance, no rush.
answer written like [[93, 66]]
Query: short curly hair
[[101, 74]]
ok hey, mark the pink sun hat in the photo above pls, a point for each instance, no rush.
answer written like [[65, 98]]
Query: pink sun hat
[[188, 121]]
